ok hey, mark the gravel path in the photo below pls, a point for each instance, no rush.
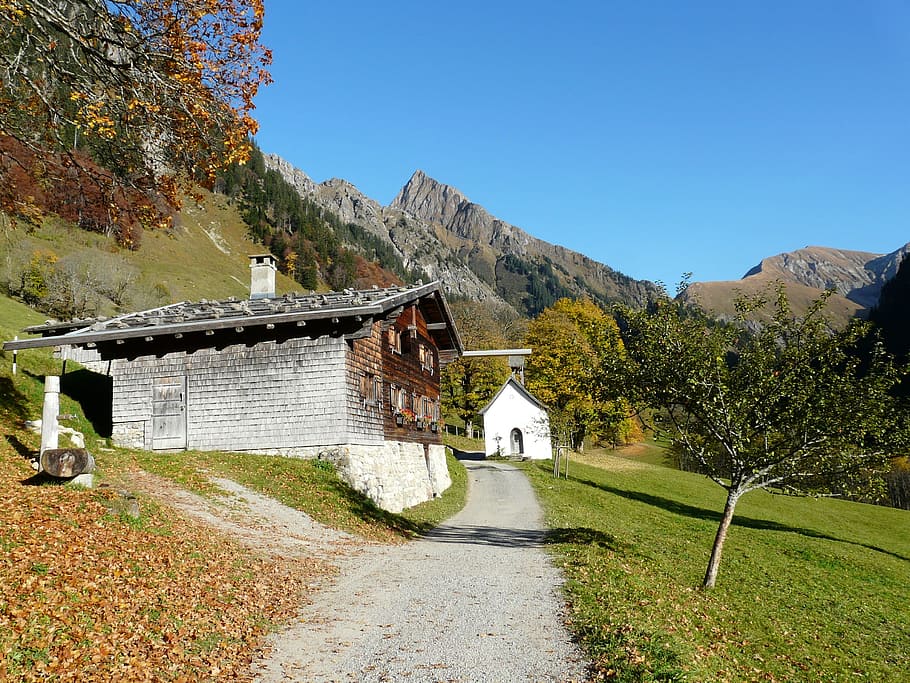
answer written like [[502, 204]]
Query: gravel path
[[476, 600]]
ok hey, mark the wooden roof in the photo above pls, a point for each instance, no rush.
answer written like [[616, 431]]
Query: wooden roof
[[350, 309]]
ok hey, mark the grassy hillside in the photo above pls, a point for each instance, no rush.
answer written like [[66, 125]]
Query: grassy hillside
[[206, 256], [717, 298], [203, 257], [809, 590]]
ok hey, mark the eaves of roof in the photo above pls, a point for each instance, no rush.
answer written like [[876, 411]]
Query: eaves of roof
[[522, 392], [116, 329]]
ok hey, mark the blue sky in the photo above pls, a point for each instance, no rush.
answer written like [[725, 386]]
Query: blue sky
[[656, 137]]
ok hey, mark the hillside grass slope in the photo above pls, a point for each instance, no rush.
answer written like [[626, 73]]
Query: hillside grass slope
[[809, 590], [719, 298], [204, 256]]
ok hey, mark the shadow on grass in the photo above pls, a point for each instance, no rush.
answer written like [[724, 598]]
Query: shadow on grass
[[583, 536], [12, 401], [686, 510], [93, 392], [366, 509], [22, 449], [468, 455], [43, 479]]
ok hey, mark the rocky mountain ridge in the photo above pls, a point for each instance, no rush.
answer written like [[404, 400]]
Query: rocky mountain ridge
[[417, 246], [491, 244], [857, 275], [857, 278], [438, 231]]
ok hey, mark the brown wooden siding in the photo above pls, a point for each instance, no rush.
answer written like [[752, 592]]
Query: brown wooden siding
[[403, 370], [364, 371]]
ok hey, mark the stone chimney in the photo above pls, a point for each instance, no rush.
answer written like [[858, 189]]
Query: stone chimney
[[262, 276]]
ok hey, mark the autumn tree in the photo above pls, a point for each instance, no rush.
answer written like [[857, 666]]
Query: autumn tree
[[794, 407], [468, 384], [141, 95], [568, 341]]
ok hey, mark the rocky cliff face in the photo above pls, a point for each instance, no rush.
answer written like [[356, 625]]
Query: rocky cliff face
[[300, 180], [437, 231]]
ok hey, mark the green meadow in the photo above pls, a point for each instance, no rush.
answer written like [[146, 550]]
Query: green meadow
[[809, 589]]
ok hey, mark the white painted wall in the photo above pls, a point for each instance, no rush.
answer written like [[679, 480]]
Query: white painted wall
[[511, 410]]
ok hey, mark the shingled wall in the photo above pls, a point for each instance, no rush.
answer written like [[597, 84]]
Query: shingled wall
[[268, 398], [299, 398]]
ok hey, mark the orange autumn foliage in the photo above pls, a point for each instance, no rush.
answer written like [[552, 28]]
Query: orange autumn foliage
[[158, 94], [90, 597]]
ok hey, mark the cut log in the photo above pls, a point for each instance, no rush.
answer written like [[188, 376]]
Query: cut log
[[67, 462]]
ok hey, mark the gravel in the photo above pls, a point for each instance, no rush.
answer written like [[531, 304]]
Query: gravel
[[475, 600]]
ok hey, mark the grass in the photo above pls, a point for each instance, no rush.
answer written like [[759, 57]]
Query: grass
[[22, 394], [203, 257], [809, 590], [463, 443], [308, 485], [649, 451]]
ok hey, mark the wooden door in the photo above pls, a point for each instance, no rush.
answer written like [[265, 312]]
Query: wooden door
[[517, 442], [169, 413]]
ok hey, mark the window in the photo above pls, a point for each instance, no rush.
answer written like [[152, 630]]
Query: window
[[394, 337], [397, 398], [371, 389], [426, 358]]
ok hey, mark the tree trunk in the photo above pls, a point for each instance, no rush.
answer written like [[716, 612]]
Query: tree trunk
[[66, 462], [714, 562]]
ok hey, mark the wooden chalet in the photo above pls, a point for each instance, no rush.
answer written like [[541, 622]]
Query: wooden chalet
[[349, 376]]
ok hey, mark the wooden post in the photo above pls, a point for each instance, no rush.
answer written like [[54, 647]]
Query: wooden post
[[15, 355], [49, 433]]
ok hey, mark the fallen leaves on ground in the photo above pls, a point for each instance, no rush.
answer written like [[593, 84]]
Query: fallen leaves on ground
[[90, 595]]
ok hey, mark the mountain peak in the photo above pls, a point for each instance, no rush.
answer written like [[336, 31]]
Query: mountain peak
[[428, 199]]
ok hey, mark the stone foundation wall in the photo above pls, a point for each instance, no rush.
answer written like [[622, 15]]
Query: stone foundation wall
[[395, 475], [129, 434]]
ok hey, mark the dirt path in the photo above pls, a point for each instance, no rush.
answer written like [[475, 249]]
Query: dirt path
[[258, 522], [476, 600]]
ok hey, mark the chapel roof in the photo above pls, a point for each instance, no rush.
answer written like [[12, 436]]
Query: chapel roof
[[522, 391]]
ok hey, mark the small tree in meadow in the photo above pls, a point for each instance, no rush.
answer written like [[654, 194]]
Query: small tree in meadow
[[793, 407]]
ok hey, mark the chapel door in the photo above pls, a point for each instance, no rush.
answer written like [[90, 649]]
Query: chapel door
[[169, 413], [517, 442]]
